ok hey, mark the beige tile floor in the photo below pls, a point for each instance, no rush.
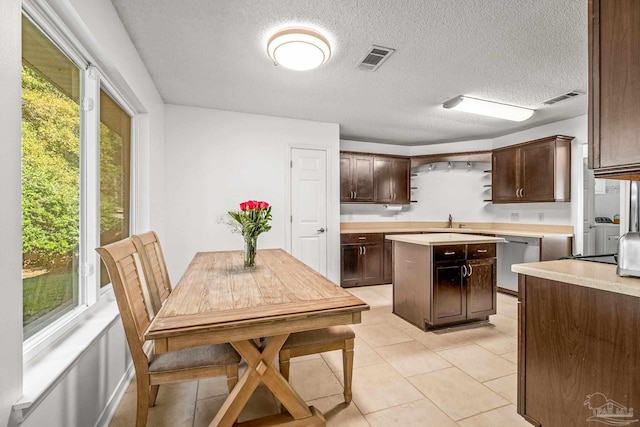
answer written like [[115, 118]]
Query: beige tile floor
[[463, 376]]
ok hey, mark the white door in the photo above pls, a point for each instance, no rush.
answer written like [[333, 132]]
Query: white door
[[589, 224], [309, 207]]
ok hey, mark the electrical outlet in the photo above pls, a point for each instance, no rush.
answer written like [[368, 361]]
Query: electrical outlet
[[540, 217], [515, 216]]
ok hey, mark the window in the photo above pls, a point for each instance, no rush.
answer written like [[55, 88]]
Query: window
[[76, 145], [50, 180], [115, 138]]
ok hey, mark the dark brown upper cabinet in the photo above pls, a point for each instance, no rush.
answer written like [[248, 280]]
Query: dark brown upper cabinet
[[356, 177], [534, 171], [370, 178], [614, 88], [391, 180]]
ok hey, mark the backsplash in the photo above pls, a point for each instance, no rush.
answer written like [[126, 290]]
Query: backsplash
[[461, 192]]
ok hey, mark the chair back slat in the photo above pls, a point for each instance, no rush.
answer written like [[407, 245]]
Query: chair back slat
[[129, 285], [155, 267]]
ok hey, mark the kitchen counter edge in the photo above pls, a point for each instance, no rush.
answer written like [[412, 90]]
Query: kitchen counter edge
[[582, 273], [523, 233]]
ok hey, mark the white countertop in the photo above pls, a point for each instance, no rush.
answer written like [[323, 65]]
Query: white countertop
[[437, 239], [464, 230], [582, 273]]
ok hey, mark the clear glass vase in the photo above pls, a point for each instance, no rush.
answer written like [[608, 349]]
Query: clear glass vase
[[250, 245]]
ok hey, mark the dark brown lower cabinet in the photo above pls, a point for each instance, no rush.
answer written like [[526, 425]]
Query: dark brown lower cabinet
[[350, 260], [361, 258], [443, 285], [578, 353]]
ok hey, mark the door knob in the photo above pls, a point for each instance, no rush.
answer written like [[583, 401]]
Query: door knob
[[322, 230]]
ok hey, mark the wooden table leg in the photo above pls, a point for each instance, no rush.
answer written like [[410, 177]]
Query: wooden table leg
[[261, 369]]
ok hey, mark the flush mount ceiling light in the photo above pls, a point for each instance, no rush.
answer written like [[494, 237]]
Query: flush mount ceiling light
[[298, 49], [488, 108]]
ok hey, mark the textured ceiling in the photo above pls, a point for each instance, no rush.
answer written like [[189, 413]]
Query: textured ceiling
[[212, 53]]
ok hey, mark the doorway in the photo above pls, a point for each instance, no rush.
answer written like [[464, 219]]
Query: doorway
[[604, 213]]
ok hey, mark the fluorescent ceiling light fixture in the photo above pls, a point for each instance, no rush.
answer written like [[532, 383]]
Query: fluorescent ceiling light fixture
[[488, 108], [298, 49]]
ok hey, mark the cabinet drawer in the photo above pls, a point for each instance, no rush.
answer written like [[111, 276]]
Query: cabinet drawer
[[449, 252], [481, 250], [360, 238]]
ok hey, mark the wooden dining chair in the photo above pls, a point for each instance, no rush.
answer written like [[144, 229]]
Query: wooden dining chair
[[132, 295], [154, 266], [318, 341]]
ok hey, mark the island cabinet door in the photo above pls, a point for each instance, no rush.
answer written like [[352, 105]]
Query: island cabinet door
[[449, 293], [481, 288]]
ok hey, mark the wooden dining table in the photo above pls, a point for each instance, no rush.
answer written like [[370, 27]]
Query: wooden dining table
[[218, 301]]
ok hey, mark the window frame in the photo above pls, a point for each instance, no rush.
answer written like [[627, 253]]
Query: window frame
[[91, 297]]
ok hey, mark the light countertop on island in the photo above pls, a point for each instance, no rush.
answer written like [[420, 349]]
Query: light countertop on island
[[439, 239], [582, 273]]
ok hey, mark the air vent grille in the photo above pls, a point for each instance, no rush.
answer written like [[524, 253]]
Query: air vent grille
[[564, 97], [374, 58]]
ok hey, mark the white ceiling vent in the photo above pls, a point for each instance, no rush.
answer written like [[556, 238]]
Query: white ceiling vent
[[564, 97], [374, 58]]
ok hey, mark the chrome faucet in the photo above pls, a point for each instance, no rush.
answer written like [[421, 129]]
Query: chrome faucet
[[450, 223]]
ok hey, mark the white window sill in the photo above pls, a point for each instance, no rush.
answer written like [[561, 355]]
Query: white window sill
[[42, 373]]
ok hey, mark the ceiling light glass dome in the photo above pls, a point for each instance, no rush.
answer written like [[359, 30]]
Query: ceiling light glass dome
[[298, 49]]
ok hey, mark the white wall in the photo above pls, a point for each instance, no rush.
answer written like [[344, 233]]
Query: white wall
[[84, 392], [10, 211], [217, 159]]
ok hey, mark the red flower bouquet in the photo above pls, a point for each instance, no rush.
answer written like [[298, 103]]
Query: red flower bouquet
[[251, 220]]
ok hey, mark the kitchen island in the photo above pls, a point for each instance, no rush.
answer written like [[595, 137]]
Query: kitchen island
[[578, 347], [443, 278]]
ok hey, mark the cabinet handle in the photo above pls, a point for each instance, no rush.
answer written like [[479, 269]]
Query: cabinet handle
[[362, 238], [517, 191], [470, 270], [449, 253], [364, 250], [522, 192], [360, 250], [464, 271], [482, 251]]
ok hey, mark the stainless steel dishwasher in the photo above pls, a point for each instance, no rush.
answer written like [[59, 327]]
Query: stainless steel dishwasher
[[516, 250]]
